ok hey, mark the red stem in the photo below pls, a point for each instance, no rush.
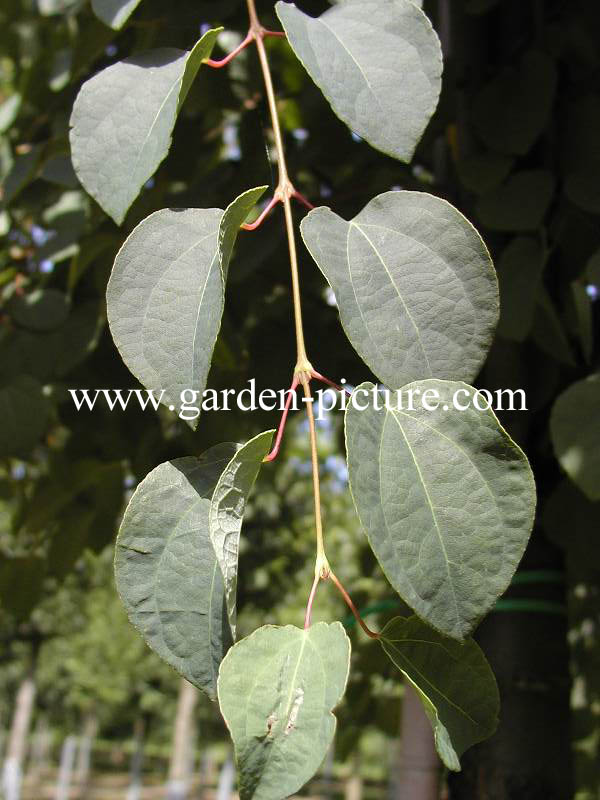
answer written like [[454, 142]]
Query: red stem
[[311, 599], [224, 61], [322, 378], [301, 199], [252, 226], [353, 608], [273, 33], [275, 451]]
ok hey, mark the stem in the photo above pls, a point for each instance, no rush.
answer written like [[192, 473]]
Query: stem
[[288, 402], [224, 61], [322, 568], [285, 189], [348, 600], [325, 380], [252, 226], [301, 199], [311, 599]]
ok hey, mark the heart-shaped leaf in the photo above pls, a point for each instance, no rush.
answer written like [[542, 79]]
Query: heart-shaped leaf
[[277, 689], [227, 511], [123, 119], [414, 283], [576, 434], [165, 295], [114, 13], [453, 681], [445, 496], [166, 569], [378, 63]]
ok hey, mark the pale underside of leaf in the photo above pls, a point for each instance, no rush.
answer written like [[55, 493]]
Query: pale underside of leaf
[[446, 499], [414, 283], [453, 681], [378, 63], [227, 511], [123, 119], [166, 570], [114, 13], [277, 689]]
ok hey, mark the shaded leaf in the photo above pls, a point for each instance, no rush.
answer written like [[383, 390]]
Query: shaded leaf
[[548, 332], [483, 172], [227, 511], [378, 63], [165, 295], [21, 584], [445, 496], [20, 175], [528, 89], [114, 13], [519, 273], [414, 284], [123, 119], [576, 434], [520, 204], [277, 689], [166, 570], [40, 310], [453, 681], [24, 410], [582, 153]]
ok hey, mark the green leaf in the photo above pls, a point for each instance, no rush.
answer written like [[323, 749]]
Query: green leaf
[[165, 295], [9, 110], [378, 64], [21, 584], [520, 204], [520, 270], [21, 174], [582, 154], [576, 434], [483, 172], [123, 119], [445, 496], [114, 13], [528, 89], [414, 283], [453, 681], [24, 410], [584, 319], [166, 570], [548, 331], [41, 310], [227, 511], [277, 689]]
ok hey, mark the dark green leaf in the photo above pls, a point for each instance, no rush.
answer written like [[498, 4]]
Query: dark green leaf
[[520, 204]]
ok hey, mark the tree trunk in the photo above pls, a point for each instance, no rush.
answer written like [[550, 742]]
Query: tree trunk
[[65, 772], [137, 759], [84, 754], [529, 757], [225, 784], [179, 771], [419, 765], [12, 773]]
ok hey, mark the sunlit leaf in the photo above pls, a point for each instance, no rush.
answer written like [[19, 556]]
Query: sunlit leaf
[[123, 119], [414, 284], [277, 689], [453, 681], [227, 511], [166, 570], [114, 13], [446, 498], [378, 63]]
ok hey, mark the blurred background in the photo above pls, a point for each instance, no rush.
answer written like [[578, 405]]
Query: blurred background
[[86, 709]]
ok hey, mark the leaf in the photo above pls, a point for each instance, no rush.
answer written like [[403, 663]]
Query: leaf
[[378, 63], [453, 681], [114, 13], [165, 295], [528, 89], [519, 273], [576, 435], [21, 174], [123, 119], [582, 153], [227, 511], [21, 584], [24, 410], [277, 689], [9, 110], [41, 310], [166, 570], [584, 320], [520, 204], [483, 172], [414, 283], [446, 499], [548, 332]]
